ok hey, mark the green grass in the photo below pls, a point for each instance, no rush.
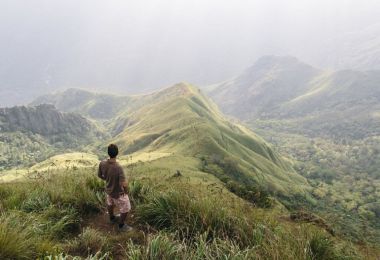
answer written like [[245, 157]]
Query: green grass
[[16, 242], [189, 217]]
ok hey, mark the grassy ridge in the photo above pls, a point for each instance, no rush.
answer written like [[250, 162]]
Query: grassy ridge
[[191, 125]]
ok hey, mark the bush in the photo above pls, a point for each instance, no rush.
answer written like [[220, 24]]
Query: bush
[[36, 201], [60, 222], [321, 247], [253, 194], [138, 192]]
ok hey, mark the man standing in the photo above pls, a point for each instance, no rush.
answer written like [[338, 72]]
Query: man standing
[[116, 187]]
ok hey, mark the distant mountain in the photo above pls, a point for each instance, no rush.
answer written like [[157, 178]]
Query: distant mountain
[[270, 82], [356, 50], [284, 88], [32, 134], [94, 105]]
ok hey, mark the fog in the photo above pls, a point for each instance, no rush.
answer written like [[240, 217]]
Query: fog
[[136, 46]]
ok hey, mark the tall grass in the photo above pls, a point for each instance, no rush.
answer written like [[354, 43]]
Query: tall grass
[[16, 242], [206, 228], [89, 242], [38, 214], [186, 216], [43, 218]]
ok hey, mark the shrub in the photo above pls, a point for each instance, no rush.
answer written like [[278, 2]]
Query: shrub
[[36, 201], [61, 222], [137, 192], [253, 194], [95, 184], [321, 247], [159, 246]]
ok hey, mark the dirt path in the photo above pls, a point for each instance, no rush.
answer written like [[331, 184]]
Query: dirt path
[[118, 240]]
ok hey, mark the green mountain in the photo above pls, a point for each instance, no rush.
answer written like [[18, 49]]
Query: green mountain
[[32, 134], [181, 120]]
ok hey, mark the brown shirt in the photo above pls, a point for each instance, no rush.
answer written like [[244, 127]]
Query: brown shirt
[[113, 174]]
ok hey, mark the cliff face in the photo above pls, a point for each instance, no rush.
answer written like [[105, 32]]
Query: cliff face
[[33, 134], [44, 120]]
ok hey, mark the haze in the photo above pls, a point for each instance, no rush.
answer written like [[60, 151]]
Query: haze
[[138, 46]]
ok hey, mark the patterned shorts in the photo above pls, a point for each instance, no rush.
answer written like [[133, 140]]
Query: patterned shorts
[[122, 203]]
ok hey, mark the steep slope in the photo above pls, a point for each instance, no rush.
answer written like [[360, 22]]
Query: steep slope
[[31, 134], [181, 120]]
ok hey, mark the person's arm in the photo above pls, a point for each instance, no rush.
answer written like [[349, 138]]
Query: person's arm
[[123, 181], [100, 174]]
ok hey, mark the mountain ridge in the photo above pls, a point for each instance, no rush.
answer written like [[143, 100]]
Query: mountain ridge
[[180, 119]]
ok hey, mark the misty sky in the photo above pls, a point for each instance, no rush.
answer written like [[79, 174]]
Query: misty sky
[[135, 46]]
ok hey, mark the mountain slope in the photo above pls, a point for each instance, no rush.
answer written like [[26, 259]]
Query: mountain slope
[[185, 122]]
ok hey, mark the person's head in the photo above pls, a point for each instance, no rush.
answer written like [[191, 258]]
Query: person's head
[[113, 150]]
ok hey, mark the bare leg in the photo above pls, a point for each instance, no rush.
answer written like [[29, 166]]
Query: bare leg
[[110, 211], [123, 216]]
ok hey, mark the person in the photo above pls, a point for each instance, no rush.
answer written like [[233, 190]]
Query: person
[[116, 187]]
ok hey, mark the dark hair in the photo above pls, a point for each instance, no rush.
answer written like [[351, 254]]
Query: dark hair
[[113, 150]]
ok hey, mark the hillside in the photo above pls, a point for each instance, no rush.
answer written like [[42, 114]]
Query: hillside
[[32, 134], [181, 120]]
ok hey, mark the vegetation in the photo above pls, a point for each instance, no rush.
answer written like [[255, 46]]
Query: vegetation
[[181, 218], [344, 176], [32, 134]]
